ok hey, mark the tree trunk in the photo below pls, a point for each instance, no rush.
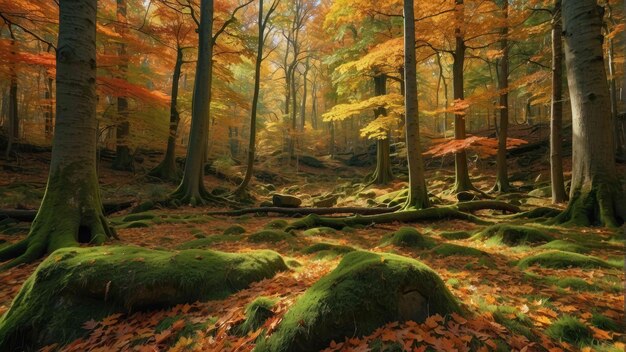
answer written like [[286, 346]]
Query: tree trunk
[[304, 95], [191, 189], [255, 97], [167, 169], [462, 181], [382, 175], [596, 195], [123, 159], [418, 194], [71, 210], [13, 117], [49, 108], [556, 118], [502, 177]]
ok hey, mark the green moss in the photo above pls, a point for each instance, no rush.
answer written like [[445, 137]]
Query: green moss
[[448, 249], [512, 235], [277, 224], [139, 216], [188, 330], [575, 284], [234, 230], [208, 241], [605, 323], [135, 224], [514, 321], [256, 313], [563, 245], [364, 292], [570, 330], [455, 235], [408, 237], [319, 231], [271, 236], [327, 250], [74, 285], [560, 259]]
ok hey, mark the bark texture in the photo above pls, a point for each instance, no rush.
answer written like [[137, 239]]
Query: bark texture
[[556, 117], [418, 195], [502, 177], [71, 210], [596, 195], [382, 174]]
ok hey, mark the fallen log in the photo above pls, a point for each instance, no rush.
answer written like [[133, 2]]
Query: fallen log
[[307, 211], [29, 214], [458, 211]]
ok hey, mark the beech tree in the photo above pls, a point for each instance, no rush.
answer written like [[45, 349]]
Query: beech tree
[[596, 195], [418, 195], [71, 210]]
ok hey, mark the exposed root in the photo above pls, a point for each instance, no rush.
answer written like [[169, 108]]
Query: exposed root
[[307, 211]]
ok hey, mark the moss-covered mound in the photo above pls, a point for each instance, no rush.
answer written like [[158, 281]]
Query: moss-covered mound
[[455, 235], [78, 284], [563, 245], [271, 236], [277, 224], [235, 230], [319, 231], [408, 237], [139, 216], [448, 249], [325, 250], [560, 259], [575, 284], [208, 241], [364, 292], [571, 330], [512, 235], [256, 313]]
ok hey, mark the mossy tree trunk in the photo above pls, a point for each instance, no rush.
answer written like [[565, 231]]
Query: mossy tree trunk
[[462, 181], [382, 175], [71, 210], [502, 177], [262, 23], [191, 189], [123, 158], [13, 117], [418, 195], [167, 169], [596, 195], [556, 118]]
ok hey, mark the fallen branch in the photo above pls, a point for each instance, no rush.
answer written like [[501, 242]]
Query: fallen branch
[[459, 211], [29, 214], [307, 211]]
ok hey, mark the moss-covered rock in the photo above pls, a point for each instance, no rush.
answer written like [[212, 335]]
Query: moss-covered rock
[[575, 284], [563, 245], [256, 313], [448, 249], [271, 236], [408, 237], [319, 231], [512, 235], [74, 285], [234, 230], [455, 235], [136, 224], [561, 259], [364, 292], [277, 224]]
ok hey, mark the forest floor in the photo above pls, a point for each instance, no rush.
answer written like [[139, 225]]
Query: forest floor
[[512, 308]]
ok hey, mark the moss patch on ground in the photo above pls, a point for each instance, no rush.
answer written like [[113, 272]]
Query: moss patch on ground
[[364, 292], [448, 249], [455, 235], [563, 245], [277, 224], [570, 330], [208, 241], [408, 237], [256, 313], [319, 231], [324, 250], [512, 235], [234, 230], [74, 285], [270, 236], [561, 259]]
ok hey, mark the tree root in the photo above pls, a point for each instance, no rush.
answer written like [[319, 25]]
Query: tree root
[[541, 212], [28, 215], [307, 211], [458, 211]]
